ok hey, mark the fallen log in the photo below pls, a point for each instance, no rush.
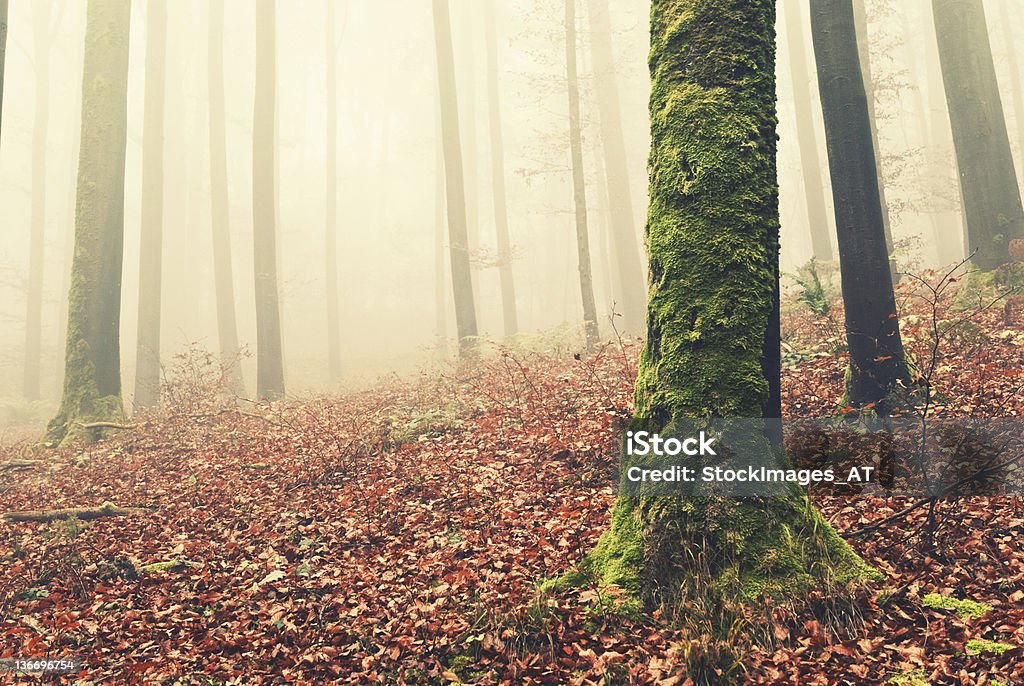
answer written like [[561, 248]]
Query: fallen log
[[107, 425], [107, 509], [19, 464]]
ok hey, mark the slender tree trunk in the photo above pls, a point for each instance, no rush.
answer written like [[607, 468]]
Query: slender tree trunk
[[810, 162], [620, 200], [92, 379], [579, 191], [864, 55], [504, 241], [223, 276], [1012, 61], [458, 240], [331, 211], [147, 351], [3, 53], [712, 235], [988, 179], [37, 238], [269, 364], [440, 291], [468, 122], [872, 329]]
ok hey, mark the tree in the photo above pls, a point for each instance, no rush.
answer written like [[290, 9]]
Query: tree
[[713, 339], [92, 368], [147, 351], [504, 242], [269, 363], [579, 190], [872, 328], [331, 210], [224, 282], [1013, 63], [988, 180], [42, 40], [3, 49], [620, 201], [810, 164], [458, 239]]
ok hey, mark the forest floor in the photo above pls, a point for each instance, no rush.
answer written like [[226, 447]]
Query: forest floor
[[398, 535]]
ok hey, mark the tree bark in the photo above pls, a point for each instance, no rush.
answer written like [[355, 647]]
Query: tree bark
[[458, 240], [269, 363], [331, 210], [223, 271], [872, 329], [147, 351], [988, 179], [92, 379], [579, 190], [620, 200], [810, 162], [712, 236], [37, 237], [510, 317]]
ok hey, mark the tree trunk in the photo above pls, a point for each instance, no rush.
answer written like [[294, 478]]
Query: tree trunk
[[3, 54], [147, 351], [988, 180], [860, 19], [92, 377], [458, 240], [872, 329], [712, 234], [269, 364], [510, 317], [223, 271], [620, 200], [440, 291], [1012, 61], [579, 191], [810, 163], [37, 238], [331, 210]]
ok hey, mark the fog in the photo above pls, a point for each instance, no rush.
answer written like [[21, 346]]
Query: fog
[[389, 166]]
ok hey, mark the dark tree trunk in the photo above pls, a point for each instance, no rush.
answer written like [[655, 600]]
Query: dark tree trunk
[[579, 191], [872, 329], [269, 364], [712, 235], [92, 377], [223, 271], [331, 209], [810, 163], [988, 180], [40, 130], [620, 201], [504, 242], [147, 351], [458, 240]]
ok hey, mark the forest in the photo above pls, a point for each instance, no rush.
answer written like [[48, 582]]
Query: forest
[[589, 342]]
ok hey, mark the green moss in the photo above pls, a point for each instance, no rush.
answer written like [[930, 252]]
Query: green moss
[[917, 677], [977, 646], [965, 609]]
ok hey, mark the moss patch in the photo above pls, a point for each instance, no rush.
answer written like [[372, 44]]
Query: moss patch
[[965, 609], [916, 677], [977, 646]]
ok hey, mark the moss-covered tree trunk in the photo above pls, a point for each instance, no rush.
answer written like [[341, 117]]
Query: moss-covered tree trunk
[[92, 371], [988, 179], [712, 347], [877, 361], [579, 189], [147, 349]]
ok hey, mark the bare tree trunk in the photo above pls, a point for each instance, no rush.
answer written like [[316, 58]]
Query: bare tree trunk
[[440, 292], [3, 52], [632, 299], [269, 364], [223, 271], [579, 191], [1016, 88], [458, 240], [860, 18], [988, 179], [92, 379], [331, 210], [147, 351], [37, 237], [504, 241], [872, 329], [465, 75], [810, 162]]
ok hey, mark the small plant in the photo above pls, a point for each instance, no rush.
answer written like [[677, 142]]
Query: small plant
[[812, 290]]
